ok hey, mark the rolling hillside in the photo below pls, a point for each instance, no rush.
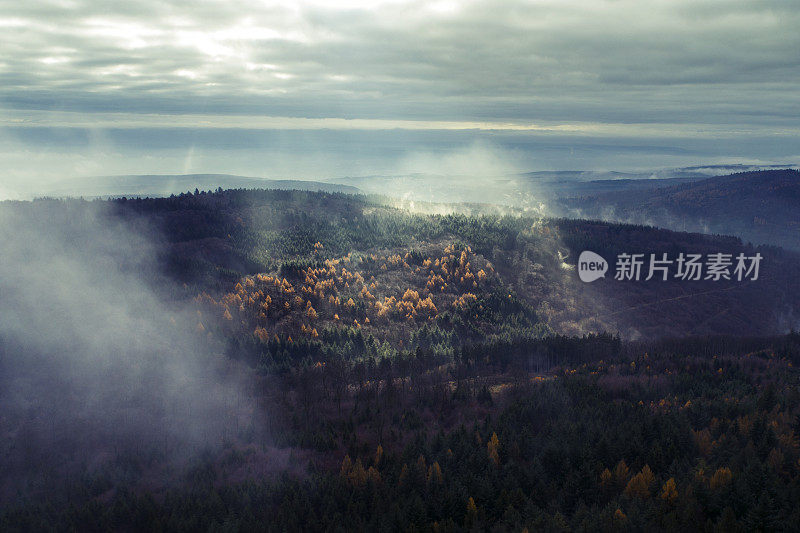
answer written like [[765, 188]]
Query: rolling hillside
[[273, 359], [212, 241], [760, 207]]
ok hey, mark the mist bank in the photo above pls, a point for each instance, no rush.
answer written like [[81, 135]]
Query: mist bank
[[39, 160], [100, 375]]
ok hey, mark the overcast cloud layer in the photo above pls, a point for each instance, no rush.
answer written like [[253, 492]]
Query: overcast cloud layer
[[724, 72]]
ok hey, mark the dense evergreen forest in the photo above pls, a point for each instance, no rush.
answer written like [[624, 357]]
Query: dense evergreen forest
[[411, 372]]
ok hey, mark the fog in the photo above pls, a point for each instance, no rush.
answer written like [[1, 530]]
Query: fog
[[98, 373], [42, 161]]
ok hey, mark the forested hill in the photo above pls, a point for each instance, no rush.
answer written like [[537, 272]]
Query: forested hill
[[300, 361], [212, 241], [761, 206]]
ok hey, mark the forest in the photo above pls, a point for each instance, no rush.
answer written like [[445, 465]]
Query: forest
[[311, 361]]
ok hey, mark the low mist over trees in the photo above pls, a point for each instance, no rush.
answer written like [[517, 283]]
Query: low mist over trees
[[287, 360]]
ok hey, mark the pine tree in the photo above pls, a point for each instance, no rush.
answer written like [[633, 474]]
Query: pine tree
[[472, 514], [621, 473], [727, 522], [403, 475]]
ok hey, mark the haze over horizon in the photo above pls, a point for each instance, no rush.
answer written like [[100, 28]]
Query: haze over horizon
[[310, 91]]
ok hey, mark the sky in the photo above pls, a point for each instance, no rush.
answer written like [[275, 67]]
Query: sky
[[318, 89]]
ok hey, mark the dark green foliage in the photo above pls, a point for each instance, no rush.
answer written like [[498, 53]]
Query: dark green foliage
[[717, 415], [555, 438]]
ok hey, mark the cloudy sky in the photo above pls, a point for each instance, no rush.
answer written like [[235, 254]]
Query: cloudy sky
[[306, 89]]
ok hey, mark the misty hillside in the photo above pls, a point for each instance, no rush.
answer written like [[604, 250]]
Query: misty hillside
[[287, 360], [530, 190], [211, 240], [501, 184], [760, 206]]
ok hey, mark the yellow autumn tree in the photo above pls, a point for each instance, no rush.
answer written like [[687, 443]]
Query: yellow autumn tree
[[621, 473], [639, 485], [347, 465], [472, 513], [373, 476], [358, 476], [411, 296], [669, 492], [262, 334], [493, 449], [435, 474], [605, 477], [721, 477], [426, 307]]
